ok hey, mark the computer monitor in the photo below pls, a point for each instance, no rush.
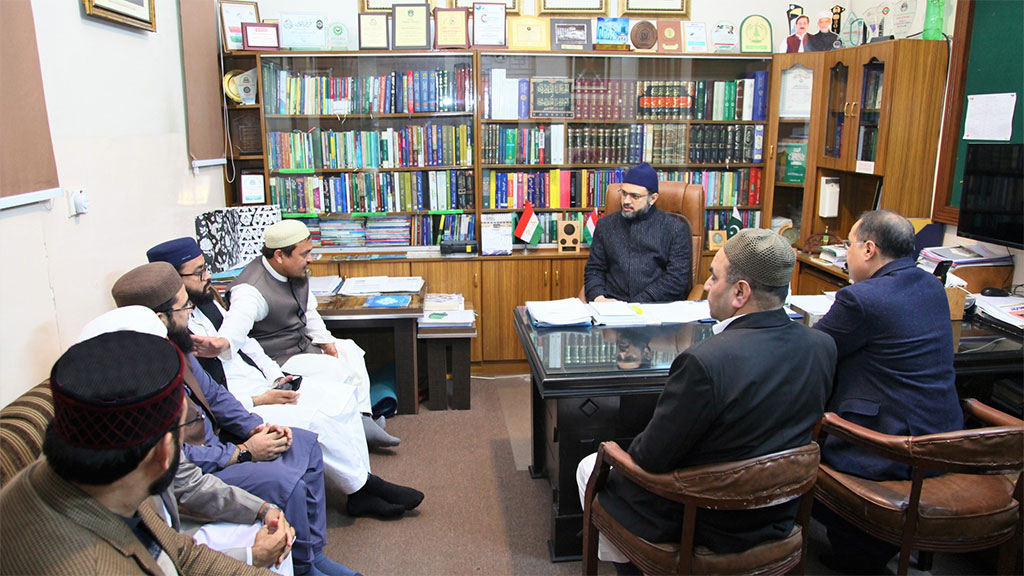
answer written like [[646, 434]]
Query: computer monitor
[[992, 199]]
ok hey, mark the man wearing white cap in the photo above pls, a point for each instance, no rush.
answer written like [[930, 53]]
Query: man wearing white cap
[[271, 302], [825, 39]]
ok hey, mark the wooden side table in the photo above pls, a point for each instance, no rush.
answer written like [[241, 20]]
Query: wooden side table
[[438, 344]]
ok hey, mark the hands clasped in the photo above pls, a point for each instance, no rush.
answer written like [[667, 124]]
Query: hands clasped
[[268, 441]]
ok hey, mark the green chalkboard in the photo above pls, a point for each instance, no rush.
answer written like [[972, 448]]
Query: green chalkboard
[[995, 66]]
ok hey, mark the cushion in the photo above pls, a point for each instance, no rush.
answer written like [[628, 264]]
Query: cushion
[[22, 427]]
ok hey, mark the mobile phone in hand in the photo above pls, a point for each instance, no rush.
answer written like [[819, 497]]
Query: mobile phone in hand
[[293, 384]]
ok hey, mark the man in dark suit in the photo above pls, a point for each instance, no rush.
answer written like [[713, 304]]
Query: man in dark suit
[[758, 386], [895, 372]]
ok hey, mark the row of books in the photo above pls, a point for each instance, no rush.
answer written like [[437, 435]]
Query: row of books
[[725, 188], [522, 145], [743, 99], [400, 92], [719, 219], [565, 349], [405, 230], [410, 146], [548, 225], [547, 188], [667, 144], [374, 192]]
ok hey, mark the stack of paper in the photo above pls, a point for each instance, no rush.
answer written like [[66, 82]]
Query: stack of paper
[[566, 312], [976, 255], [1007, 310], [378, 284], [616, 314], [324, 285], [834, 254], [449, 319], [443, 302], [648, 314]]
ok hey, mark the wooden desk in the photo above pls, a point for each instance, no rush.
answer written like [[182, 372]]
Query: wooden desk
[[580, 397], [438, 343], [347, 313], [815, 276]]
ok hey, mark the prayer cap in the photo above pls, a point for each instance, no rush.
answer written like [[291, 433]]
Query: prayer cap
[[643, 175], [175, 252], [284, 234], [134, 318], [117, 390], [149, 285], [762, 255]]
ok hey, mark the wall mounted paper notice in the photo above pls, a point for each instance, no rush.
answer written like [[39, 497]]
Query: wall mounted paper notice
[[989, 116]]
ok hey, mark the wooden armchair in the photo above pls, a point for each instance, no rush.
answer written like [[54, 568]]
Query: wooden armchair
[[744, 485], [975, 505], [684, 201]]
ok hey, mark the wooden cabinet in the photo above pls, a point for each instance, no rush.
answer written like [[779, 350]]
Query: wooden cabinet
[[507, 284], [790, 167], [567, 277], [462, 277], [357, 268]]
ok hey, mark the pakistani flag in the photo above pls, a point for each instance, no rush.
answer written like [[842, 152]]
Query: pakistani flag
[[528, 229], [589, 224], [735, 224]]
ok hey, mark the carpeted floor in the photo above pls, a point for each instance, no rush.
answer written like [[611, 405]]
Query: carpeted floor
[[483, 514]]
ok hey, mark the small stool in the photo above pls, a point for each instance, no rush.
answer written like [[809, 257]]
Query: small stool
[[438, 344]]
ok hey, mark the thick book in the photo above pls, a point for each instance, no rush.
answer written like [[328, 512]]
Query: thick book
[[760, 104]]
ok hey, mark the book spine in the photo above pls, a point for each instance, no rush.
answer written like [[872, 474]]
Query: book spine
[[760, 105]]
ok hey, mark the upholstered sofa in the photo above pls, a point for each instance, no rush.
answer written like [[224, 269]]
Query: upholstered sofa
[[22, 426]]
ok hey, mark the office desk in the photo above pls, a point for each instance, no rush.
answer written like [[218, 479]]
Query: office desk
[[581, 397], [347, 313]]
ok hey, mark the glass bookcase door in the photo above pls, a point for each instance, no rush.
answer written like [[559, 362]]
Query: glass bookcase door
[[870, 109], [838, 108]]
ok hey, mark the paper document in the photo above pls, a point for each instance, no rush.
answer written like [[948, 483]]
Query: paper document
[[378, 284], [677, 312], [566, 312], [1009, 309], [989, 116], [447, 319], [324, 285], [818, 304]]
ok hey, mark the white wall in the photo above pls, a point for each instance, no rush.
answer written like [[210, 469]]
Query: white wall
[[117, 119]]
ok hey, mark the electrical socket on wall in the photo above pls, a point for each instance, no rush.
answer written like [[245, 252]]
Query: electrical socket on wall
[[78, 202]]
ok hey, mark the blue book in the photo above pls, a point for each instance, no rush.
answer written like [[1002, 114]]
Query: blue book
[[453, 189], [432, 91], [388, 301], [419, 190], [417, 91], [760, 109], [524, 98]]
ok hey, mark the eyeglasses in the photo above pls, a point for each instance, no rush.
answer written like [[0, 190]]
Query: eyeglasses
[[199, 418], [188, 306], [200, 272], [632, 195]]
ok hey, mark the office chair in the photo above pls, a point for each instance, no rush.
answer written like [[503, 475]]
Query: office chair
[[742, 485], [975, 505]]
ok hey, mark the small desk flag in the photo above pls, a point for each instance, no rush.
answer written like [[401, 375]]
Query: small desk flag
[[589, 226], [735, 223], [528, 229]]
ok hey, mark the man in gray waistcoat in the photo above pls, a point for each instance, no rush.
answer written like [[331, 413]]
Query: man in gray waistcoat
[[272, 303]]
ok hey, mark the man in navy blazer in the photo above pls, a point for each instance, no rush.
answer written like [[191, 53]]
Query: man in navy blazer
[[895, 370]]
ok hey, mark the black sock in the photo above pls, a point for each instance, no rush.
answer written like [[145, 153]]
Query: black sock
[[626, 569], [409, 498], [363, 503]]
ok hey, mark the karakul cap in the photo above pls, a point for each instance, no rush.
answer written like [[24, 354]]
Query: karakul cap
[[175, 252], [762, 255], [284, 234], [149, 285], [643, 175]]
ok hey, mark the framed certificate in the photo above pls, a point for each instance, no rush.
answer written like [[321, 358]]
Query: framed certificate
[[511, 6], [410, 26], [528, 33], [488, 24], [674, 8], [137, 13], [373, 31], [260, 36], [303, 31], [232, 15], [451, 28], [571, 6]]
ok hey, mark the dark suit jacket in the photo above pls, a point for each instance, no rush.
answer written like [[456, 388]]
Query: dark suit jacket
[[895, 372], [758, 387], [51, 527]]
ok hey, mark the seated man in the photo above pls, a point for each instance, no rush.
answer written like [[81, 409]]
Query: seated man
[[280, 465], [85, 507], [639, 254], [271, 302], [895, 372], [323, 406], [231, 511], [757, 386]]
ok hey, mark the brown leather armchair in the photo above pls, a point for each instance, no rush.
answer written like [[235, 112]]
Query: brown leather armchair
[[743, 485], [975, 505], [684, 201]]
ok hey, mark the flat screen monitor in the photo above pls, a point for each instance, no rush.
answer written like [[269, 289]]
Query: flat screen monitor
[[992, 200]]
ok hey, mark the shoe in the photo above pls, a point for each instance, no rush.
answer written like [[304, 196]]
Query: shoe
[[849, 564]]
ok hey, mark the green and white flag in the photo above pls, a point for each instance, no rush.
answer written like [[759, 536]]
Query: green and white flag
[[735, 224]]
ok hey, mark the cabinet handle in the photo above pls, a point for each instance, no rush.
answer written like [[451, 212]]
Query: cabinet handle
[[771, 151], [476, 280], [556, 279], [545, 277], [853, 108], [846, 108]]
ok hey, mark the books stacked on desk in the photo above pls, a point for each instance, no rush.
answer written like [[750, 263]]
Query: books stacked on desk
[[962, 256], [324, 285], [565, 312], [387, 231], [1006, 312], [367, 285], [834, 254], [435, 302], [342, 232], [446, 311]]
